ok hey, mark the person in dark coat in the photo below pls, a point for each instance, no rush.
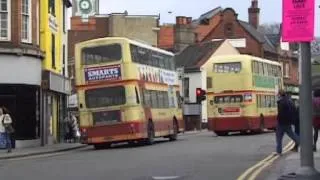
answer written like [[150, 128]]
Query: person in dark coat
[[316, 117], [296, 116], [285, 120], [297, 121]]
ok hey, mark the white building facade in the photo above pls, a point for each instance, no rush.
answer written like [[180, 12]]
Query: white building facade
[[194, 62]]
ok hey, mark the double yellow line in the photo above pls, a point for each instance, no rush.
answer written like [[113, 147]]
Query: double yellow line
[[254, 171]]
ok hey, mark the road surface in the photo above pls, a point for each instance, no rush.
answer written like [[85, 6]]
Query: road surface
[[199, 156]]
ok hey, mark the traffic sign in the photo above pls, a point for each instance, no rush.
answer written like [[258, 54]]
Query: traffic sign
[[298, 20]]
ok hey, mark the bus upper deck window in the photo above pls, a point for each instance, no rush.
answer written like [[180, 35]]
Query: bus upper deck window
[[101, 54]]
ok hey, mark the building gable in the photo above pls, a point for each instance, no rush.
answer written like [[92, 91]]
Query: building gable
[[225, 48], [231, 28], [199, 55], [206, 22]]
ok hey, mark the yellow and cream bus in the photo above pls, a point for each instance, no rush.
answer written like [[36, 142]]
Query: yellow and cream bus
[[128, 92], [244, 94]]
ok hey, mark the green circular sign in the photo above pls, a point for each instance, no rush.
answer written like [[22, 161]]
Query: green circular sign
[[85, 6]]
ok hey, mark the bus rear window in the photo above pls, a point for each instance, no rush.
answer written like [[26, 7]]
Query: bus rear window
[[234, 67], [104, 97], [228, 99], [101, 54]]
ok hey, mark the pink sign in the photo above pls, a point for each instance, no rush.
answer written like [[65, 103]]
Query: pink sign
[[298, 20]]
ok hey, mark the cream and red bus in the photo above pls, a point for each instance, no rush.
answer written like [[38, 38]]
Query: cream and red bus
[[127, 92], [244, 93]]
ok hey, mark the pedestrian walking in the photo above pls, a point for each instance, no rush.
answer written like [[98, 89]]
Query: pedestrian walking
[[285, 120], [297, 121], [316, 117], [72, 129], [6, 127], [296, 114]]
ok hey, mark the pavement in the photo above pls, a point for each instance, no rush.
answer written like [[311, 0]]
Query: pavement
[[286, 166], [194, 156], [25, 152]]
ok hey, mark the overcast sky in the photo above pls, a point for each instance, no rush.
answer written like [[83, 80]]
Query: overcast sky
[[270, 9]]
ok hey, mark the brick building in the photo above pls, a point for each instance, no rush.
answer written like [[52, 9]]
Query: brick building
[[166, 37], [222, 23], [267, 46], [21, 59], [200, 27]]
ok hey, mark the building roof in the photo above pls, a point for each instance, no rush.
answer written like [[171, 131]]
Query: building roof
[[208, 15], [274, 38], [269, 41], [260, 37], [192, 56]]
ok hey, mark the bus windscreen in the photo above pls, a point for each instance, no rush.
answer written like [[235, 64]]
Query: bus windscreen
[[103, 97]]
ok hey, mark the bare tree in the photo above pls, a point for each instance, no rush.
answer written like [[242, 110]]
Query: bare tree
[[270, 28]]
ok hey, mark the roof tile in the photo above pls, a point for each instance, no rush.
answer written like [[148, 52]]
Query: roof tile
[[194, 54]]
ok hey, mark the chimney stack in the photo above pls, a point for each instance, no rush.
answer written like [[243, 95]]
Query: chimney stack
[[189, 20], [181, 20], [183, 33], [254, 14]]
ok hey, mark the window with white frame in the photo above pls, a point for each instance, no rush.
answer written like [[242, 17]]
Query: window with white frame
[[26, 21], [5, 19]]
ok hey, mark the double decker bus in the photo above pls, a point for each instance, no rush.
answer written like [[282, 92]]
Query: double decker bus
[[127, 92], [244, 94]]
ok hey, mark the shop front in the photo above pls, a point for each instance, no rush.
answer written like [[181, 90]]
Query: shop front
[[55, 90], [20, 79]]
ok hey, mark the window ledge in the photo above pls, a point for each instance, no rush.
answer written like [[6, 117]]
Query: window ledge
[[22, 52], [26, 41], [5, 39]]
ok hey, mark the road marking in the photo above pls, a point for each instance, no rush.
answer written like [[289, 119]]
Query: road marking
[[165, 177], [270, 162], [268, 158]]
